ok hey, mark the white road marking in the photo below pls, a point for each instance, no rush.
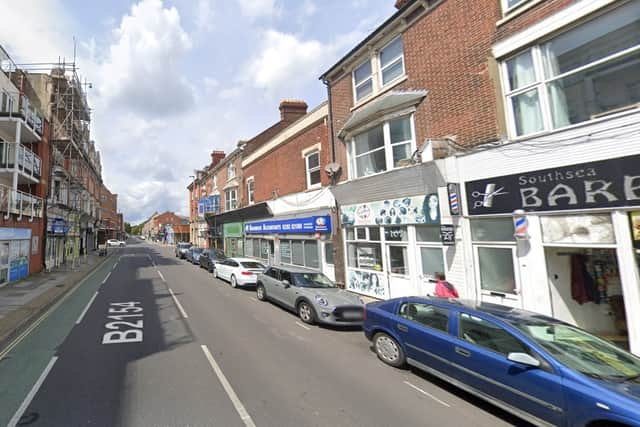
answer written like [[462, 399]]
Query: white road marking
[[427, 394], [106, 278], [114, 266], [86, 308], [161, 276], [244, 415], [27, 400], [303, 326], [184, 313]]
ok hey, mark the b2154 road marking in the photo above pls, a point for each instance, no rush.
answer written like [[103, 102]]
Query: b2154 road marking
[[119, 311]]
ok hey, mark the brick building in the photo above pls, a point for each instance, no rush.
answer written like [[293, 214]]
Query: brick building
[[286, 177], [24, 171], [415, 88], [169, 228], [109, 225], [227, 180]]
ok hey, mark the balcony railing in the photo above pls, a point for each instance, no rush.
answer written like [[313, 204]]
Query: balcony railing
[[18, 156], [20, 203], [9, 106]]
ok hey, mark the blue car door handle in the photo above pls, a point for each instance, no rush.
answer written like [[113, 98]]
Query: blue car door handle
[[463, 352], [402, 328]]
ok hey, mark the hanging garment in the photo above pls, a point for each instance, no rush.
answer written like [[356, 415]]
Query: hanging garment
[[583, 287]]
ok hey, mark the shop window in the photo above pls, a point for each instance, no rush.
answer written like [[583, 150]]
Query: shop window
[[311, 255], [577, 229], [374, 234], [248, 247], [427, 234], [587, 72], [427, 315], [432, 262], [398, 260], [367, 256], [256, 248], [384, 147], [496, 269], [328, 253], [297, 252], [492, 230], [285, 251]]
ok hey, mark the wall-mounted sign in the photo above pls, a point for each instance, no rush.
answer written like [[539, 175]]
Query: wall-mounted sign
[[312, 224], [603, 184], [210, 204], [232, 229], [447, 234], [368, 283], [395, 234], [7, 233], [407, 210], [454, 198]]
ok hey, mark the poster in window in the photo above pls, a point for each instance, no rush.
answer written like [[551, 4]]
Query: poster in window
[[635, 226], [367, 258], [368, 283]]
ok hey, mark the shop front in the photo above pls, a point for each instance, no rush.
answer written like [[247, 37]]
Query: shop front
[[562, 241], [14, 253], [300, 241], [233, 245], [393, 247]]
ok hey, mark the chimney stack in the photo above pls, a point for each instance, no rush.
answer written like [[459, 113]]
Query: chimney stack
[[216, 157], [400, 3], [292, 110]]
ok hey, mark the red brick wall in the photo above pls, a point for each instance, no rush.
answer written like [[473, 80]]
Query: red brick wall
[[530, 17], [447, 52], [283, 169], [167, 218]]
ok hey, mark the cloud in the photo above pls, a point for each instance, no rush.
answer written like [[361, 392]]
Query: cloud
[[204, 15], [309, 8], [143, 72], [254, 9]]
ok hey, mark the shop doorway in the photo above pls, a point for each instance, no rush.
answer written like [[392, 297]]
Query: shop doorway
[[586, 290]]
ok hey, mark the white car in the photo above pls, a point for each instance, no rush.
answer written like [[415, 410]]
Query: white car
[[115, 243], [239, 271]]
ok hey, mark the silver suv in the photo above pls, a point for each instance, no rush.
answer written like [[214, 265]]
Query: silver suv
[[311, 294], [182, 249]]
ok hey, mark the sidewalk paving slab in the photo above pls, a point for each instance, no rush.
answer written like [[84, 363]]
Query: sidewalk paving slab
[[21, 303]]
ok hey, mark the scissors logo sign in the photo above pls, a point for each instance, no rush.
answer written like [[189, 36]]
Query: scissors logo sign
[[486, 200]]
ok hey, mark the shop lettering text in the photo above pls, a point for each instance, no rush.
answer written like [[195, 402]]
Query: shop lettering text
[[603, 184], [127, 324]]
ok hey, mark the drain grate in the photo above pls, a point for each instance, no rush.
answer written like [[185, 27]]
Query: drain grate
[[60, 286]]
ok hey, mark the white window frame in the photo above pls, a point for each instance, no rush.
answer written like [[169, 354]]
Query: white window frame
[[506, 9], [231, 171], [250, 190], [231, 203], [388, 147], [308, 170], [215, 182], [391, 63], [542, 82], [370, 78]]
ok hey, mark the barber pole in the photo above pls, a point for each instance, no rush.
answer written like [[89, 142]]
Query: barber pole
[[520, 224], [454, 205]]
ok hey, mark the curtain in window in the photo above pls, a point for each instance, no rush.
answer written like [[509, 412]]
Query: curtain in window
[[521, 70], [526, 111], [557, 98]]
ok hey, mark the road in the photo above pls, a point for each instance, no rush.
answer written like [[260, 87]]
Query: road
[[150, 340]]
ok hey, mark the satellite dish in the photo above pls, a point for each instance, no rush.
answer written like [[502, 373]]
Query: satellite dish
[[332, 169]]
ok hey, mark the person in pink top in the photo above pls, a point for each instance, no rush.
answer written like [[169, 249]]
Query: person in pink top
[[444, 289]]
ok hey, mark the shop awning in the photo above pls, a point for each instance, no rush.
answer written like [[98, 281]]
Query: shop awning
[[420, 179], [387, 103], [257, 211]]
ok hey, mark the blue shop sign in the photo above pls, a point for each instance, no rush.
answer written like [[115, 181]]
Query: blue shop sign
[[312, 224], [15, 233], [59, 226], [209, 204]]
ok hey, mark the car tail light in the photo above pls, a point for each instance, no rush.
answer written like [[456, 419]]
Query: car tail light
[[247, 273]]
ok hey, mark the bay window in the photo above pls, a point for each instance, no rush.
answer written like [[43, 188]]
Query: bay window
[[383, 147], [587, 72]]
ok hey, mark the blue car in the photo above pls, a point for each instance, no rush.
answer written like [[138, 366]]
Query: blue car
[[541, 369]]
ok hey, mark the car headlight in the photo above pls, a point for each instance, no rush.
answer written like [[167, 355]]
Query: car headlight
[[322, 301]]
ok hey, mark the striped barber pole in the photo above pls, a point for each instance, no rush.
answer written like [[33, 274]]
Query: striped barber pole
[[521, 226], [454, 205]]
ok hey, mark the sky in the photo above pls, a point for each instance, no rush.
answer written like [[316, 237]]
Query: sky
[[173, 80]]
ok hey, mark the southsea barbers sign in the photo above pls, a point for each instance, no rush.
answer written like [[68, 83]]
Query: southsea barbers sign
[[603, 184]]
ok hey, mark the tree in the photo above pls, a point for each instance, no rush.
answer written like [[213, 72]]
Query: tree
[[127, 228]]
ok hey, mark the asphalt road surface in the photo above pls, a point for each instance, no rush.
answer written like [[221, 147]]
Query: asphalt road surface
[[150, 340]]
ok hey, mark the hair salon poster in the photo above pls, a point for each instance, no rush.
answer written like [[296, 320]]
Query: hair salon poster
[[603, 184], [370, 283], [407, 210]]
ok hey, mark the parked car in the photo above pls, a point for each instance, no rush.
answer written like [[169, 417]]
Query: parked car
[[311, 294], [539, 368], [193, 255], [113, 243], [122, 243], [143, 237], [210, 257], [182, 249], [239, 271]]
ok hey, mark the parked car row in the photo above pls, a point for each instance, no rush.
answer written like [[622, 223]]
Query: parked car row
[[541, 369]]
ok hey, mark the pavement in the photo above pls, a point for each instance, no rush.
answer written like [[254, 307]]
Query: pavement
[[23, 301], [150, 340]]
